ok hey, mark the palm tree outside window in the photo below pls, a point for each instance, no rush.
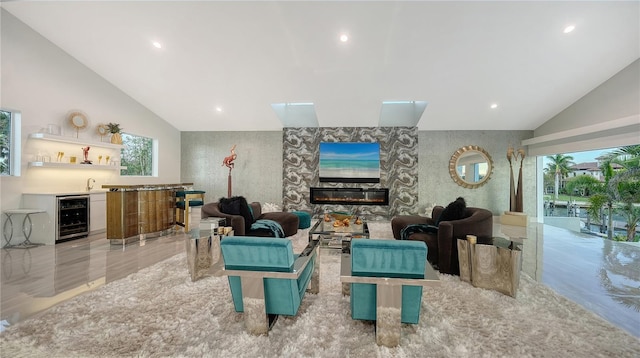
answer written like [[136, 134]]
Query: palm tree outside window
[[560, 165], [608, 189]]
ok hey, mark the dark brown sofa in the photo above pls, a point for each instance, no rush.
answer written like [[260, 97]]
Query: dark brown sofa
[[442, 246], [288, 221]]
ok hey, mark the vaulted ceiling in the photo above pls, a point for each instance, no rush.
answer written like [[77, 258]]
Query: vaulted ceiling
[[224, 65]]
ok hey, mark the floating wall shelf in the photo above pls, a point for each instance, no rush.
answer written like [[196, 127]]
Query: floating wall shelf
[[73, 166], [58, 138]]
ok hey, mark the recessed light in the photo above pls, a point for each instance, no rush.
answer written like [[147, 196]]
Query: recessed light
[[299, 103], [344, 38], [494, 105], [156, 44], [569, 28], [219, 109]]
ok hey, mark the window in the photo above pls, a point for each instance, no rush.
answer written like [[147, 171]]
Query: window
[[137, 155], [9, 142]]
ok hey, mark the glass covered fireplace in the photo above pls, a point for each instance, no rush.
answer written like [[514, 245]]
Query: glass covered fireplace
[[350, 196]]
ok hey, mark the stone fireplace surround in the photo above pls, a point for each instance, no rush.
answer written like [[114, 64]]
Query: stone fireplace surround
[[398, 168]]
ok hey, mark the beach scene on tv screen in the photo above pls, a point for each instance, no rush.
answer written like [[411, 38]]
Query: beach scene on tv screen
[[350, 160]]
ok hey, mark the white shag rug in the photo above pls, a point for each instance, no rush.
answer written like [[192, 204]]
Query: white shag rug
[[159, 312]]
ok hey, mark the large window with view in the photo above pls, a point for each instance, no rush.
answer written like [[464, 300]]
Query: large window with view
[[601, 187], [137, 155], [9, 141], [592, 201]]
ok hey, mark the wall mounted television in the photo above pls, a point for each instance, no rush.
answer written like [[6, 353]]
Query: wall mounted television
[[347, 162]]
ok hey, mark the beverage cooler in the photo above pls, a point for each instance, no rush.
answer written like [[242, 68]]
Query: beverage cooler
[[73, 217]]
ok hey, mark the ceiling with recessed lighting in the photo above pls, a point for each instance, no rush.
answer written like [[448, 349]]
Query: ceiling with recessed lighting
[[227, 66]]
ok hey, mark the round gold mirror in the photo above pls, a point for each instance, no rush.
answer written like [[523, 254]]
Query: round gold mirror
[[78, 120], [102, 129], [470, 166]]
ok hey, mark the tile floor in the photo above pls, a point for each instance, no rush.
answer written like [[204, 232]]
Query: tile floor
[[599, 274]]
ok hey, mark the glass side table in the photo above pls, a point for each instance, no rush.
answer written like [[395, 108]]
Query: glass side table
[[203, 248]]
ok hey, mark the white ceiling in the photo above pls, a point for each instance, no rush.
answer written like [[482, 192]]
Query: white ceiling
[[459, 57]]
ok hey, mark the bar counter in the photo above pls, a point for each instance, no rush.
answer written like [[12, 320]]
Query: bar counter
[[142, 210]]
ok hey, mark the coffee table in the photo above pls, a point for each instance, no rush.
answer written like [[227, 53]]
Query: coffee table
[[332, 237]]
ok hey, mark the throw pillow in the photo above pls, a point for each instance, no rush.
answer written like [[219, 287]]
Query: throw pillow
[[454, 211], [237, 205], [270, 208]]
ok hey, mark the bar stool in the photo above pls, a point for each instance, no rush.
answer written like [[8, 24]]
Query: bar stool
[[186, 199]]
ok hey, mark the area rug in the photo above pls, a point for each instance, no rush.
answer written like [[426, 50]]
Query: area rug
[[159, 312]]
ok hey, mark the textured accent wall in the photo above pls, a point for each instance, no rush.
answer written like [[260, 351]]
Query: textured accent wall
[[398, 167], [280, 167], [258, 169], [437, 187]]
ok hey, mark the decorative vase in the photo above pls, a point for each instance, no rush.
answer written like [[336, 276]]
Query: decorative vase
[[116, 138]]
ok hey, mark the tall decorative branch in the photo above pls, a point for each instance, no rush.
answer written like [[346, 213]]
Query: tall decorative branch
[[512, 190], [228, 161], [519, 192], [516, 201]]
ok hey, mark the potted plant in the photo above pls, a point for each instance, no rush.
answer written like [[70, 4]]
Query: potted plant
[[114, 129]]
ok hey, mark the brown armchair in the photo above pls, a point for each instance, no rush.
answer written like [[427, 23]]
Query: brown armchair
[[288, 221], [442, 245]]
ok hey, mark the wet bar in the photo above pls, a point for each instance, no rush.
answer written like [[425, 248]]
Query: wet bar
[[137, 211]]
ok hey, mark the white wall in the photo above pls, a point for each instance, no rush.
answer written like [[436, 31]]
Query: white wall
[[45, 83], [618, 97], [606, 117]]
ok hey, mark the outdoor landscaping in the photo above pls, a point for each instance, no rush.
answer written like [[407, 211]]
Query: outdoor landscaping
[[611, 194]]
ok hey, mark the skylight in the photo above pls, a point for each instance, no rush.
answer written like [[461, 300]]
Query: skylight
[[296, 114], [401, 113]]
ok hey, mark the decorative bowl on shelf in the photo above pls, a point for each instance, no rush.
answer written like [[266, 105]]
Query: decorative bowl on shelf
[[340, 215]]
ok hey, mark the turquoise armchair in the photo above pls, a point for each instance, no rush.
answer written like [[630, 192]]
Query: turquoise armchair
[[266, 278], [387, 277]]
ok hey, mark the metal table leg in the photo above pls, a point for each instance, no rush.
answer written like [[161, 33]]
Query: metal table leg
[[27, 233], [7, 228], [4, 231]]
